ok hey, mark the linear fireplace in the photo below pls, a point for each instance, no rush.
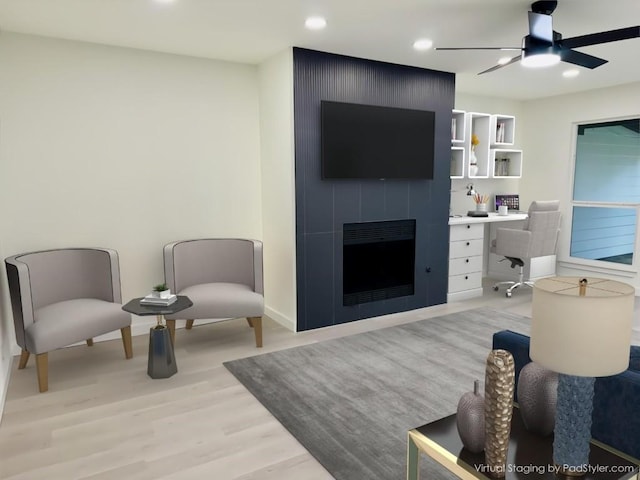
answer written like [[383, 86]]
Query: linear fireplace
[[378, 260]]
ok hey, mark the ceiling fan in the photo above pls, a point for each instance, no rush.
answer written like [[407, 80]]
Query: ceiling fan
[[544, 46]]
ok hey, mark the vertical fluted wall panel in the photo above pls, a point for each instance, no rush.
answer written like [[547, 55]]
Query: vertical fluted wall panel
[[323, 206]]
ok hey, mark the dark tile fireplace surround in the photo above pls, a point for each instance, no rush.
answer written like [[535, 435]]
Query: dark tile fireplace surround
[[336, 218]]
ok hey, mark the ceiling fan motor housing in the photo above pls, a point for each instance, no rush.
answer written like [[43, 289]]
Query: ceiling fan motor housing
[[544, 6]]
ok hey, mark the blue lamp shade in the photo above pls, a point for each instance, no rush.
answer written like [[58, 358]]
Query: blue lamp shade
[[580, 328]]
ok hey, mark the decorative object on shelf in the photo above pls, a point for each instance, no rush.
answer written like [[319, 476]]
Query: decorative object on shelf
[[580, 328], [161, 291], [498, 407], [537, 396], [473, 161], [470, 419]]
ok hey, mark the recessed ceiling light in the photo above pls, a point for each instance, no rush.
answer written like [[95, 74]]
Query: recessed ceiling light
[[504, 60], [574, 72], [315, 23], [423, 44]]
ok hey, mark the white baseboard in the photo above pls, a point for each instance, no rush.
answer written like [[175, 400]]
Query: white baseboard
[[4, 386], [286, 322], [464, 295]]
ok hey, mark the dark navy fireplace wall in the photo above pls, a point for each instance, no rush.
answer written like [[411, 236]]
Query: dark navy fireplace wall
[[324, 206]]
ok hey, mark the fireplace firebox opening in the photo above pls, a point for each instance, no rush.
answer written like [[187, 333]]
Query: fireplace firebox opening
[[378, 261]]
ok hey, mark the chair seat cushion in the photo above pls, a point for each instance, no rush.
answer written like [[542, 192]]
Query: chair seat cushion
[[220, 300], [63, 323]]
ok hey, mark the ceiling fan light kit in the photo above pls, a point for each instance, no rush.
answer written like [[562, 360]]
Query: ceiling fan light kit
[[544, 47]]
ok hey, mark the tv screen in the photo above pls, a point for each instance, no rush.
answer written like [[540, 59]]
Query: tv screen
[[366, 141]]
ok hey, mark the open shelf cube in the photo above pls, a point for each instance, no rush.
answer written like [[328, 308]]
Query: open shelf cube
[[506, 163], [503, 129], [458, 127], [478, 124], [457, 162]]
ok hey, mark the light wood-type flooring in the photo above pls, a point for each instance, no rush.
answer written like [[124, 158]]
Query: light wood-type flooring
[[104, 418]]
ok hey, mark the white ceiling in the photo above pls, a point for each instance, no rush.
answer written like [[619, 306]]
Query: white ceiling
[[250, 31]]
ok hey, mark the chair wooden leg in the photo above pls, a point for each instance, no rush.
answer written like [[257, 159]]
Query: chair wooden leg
[[171, 325], [24, 358], [42, 367], [189, 324], [256, 322], [126, 342], [249, 322], [90, 342]]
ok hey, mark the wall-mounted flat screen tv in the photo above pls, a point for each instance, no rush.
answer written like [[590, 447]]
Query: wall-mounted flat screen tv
[[367, 141]]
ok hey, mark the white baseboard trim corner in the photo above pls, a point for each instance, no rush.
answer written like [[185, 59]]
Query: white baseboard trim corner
[[6, 377], [283, 320]]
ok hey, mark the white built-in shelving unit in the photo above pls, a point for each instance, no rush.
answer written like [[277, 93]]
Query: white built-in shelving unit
[[493, 156]]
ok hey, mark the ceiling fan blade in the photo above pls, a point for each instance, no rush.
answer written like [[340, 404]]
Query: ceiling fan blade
[[582, 59], [601, 37], [541, 27], [480, 48], [496, 67]]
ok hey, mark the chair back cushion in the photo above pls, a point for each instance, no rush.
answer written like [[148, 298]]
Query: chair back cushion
[[544, 225], [213, 260], [67, 274]]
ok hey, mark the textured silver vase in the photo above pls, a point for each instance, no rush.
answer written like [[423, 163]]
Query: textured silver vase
[[470, 419], [498, 409], [537, 397]]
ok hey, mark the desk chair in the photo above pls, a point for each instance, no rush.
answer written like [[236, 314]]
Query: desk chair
[[538, 238]]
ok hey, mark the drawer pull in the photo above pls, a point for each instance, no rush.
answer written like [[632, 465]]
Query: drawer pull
[[468, 226], [466, 261], [468, 244], [466, 277]]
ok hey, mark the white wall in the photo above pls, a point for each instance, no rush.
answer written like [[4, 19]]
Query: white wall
[[6, 331], [549, 150], [278, 187], [127, 149], [460, 203]]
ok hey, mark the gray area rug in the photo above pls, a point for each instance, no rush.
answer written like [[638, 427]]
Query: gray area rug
[[350, 401]]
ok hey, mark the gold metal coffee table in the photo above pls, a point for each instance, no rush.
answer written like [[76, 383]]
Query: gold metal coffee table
[[529, 457]]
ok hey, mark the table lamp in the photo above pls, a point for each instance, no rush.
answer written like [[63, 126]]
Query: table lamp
[[580, 328]]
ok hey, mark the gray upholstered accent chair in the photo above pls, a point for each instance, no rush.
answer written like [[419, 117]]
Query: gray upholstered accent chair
[[538, 238], [60, 297], [221, 276]]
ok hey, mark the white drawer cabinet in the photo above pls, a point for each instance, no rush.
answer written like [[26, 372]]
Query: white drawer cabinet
[[458, 266], [466, 250], [465, 283]]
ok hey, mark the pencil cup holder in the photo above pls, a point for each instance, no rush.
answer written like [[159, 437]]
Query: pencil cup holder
[[481, 207]]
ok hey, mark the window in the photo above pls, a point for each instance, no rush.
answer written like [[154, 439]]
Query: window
[[606, 192]]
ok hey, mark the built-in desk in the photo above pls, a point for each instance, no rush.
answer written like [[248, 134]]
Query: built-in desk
[[469, 252]]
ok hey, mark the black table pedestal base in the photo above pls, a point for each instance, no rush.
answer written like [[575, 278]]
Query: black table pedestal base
[[162, 361]]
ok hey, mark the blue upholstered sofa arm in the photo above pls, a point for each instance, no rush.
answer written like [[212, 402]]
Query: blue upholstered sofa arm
[[616, 402]]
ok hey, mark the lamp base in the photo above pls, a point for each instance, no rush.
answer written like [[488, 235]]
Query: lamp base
[[573, 424]]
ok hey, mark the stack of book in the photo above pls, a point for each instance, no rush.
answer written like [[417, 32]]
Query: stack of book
[[154, 301]]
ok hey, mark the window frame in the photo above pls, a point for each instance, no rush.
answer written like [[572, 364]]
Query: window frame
[[599, 266]]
